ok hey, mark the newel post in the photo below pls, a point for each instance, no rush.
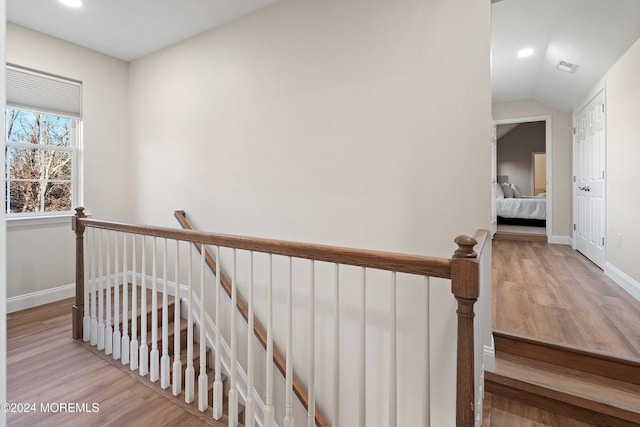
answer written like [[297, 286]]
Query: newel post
[[466, 289], [77, 311]]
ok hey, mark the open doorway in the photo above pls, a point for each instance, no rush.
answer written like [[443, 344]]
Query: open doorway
[[523, 177]]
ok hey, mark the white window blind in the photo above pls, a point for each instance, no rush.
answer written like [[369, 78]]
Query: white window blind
[[35, 91]]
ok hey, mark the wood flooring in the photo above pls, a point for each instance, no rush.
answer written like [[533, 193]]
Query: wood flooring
[[552, 294], [46, 366]]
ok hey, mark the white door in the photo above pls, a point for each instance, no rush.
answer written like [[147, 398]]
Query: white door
[[589, 180]]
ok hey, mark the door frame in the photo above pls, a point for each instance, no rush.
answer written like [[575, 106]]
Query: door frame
[[548, 147]]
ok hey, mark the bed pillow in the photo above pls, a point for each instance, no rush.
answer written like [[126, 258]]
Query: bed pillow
[[507, 190], [499, 192], [516, 191]]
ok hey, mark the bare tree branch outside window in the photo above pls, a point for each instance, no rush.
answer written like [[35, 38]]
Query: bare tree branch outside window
[[39, 162]]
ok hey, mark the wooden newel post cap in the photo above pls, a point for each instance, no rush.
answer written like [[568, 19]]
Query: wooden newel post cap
[[80, 212], [465, 247]]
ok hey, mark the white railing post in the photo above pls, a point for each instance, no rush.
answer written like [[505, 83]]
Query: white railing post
[[108, 329], [269, 413], [250, 418], [100, 295], [217, 384], [144, 347], [155, 355], [165, 361], [133, 352], [124, 356], [94, 287], [86, 320], [288, 418], [362, 403], [117, 335], [233, 387], [177, 363], [311, 412], [426, 407], [203, 379], [336, 352], [393, 366], [189, 374]]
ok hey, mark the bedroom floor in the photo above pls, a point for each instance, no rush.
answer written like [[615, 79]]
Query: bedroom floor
[[521, 229]]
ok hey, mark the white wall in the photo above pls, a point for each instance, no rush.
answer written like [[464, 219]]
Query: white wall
[[330, 122], [42, 257], [623, 174], [561, 157]]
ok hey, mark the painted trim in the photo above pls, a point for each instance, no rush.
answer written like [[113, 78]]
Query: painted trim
[[34, 299], [561, 240], [625, 281]]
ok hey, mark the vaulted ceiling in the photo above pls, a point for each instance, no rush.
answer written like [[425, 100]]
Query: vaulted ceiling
[[591, 34]]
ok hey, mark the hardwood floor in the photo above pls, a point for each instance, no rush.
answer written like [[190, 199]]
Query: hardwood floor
[[46, 366], [554, 293]]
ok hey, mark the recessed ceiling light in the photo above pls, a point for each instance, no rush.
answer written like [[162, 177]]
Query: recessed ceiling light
[[523, 53], [71, 3]]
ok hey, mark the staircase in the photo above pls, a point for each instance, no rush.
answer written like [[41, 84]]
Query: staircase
[[180, 398], [593, 387]]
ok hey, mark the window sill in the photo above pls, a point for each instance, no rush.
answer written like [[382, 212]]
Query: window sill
[[37, 221]]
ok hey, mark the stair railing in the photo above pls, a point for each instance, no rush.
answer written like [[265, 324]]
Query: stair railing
[[462, 270]]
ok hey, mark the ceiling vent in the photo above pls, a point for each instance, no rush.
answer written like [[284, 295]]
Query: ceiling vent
[[567, 67]]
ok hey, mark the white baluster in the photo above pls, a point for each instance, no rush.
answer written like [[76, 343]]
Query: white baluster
[[155, 355], [336, 352], [108, 329], [144, 347], [189, 374], [177, 363], [426, 407], [233, 388], [362, 404], [311, 412], [86, 320], [100, 294], [203, 379], [117, 336], [165, 363], [124, 348], [133, 352], [393, 366], [288, 418], [269, 415], [217, 384], [94, 287], [250, 417]]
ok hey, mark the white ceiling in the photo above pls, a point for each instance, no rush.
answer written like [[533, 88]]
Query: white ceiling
[[128, 29], [590, 33]]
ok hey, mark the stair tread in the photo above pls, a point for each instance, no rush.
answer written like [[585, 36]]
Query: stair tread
[[569, 385]]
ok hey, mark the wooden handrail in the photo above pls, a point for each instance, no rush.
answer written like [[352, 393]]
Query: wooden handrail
[[258, 330], [462, 269]]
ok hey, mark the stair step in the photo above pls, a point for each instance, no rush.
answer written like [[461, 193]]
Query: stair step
[[595, 362], [564, 380], [149, 306]]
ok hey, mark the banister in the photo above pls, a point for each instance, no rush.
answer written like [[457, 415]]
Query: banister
[[463, 270], [258, 329]]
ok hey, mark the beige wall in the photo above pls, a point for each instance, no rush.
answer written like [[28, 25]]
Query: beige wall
[[515, 152], [623, 173], [41, 257], [561, 158], [330, 122]]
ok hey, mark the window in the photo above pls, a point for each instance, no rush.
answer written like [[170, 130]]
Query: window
[[42, 122]]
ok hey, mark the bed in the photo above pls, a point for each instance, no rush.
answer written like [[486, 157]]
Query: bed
[[520, 210]]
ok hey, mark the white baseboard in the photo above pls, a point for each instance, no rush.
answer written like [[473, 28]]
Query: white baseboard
[[626, 282], [561, 240], [34, 299], [489, 357]]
